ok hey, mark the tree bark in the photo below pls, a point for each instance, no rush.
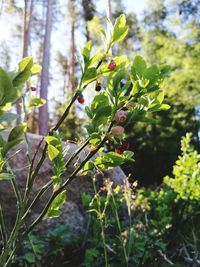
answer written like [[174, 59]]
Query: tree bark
[[72, 82], [43, 111], [28, 11], [109, 15]]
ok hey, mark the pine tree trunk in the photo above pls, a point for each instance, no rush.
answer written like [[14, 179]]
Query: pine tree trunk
[[72, 82], [43, 111], [28, 11], [109, 15]]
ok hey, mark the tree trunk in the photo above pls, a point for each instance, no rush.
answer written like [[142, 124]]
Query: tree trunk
[[43, 111], [109, 15], [28, 11], [72, 82], [109, 10]]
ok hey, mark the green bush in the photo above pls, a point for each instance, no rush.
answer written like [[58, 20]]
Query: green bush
[[146, 227]]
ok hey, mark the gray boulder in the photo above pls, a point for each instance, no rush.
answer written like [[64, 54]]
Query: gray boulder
[[73, 213]]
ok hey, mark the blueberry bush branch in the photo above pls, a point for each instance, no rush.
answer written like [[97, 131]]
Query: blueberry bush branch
[[126, 92]]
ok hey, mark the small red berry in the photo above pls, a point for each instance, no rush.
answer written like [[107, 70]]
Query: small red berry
[[81, 100], [98, 87], [112, 65], [33, 89], [119, 150]]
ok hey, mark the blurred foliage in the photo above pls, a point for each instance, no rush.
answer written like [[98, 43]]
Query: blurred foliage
[[186, 181], [167, 34], [172, 39], [158, 227], [141, 227], [49, 249], [72, 129]]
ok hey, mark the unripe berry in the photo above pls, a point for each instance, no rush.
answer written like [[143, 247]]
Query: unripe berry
[[117, 131], [120, 116], [81, 100], [98, 87], [112, 65]]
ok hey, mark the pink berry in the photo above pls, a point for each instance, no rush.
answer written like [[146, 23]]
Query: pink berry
[[117, 131], [120, 116]]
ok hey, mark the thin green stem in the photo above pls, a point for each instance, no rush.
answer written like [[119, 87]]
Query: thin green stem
[[71, 177], [30, 181], [31, 170], [3, 228], [101, 220], [48, 185], [120, 229], [55, 128], [77, 152], [12, 238], [25, 134], [33, 249]]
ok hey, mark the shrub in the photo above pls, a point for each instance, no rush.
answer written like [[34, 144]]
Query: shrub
[[146, 227], [131, 86]]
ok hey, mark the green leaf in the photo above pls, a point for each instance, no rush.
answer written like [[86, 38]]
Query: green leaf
[[10, 145], [35, 102], [128, 155], [91, 254], [26, 63], [8, 117], [6, 176], [109, 160], [17, 132], [114, 80], [101, 115], [152, 73], [52, 140], [24, 71], [54, 209], [2, 141], [135, 88], [160, 97], [53, 152], [138, 68], [56, 180], [54, 213], [99, 100], [148, 120], [7, 92], [120, 29], [164, 107], [86, 199], [164, 70], [29, 257], [88, 166], [88, 112], [89, 76], [86, 52], [95, 139], [36, 69]]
